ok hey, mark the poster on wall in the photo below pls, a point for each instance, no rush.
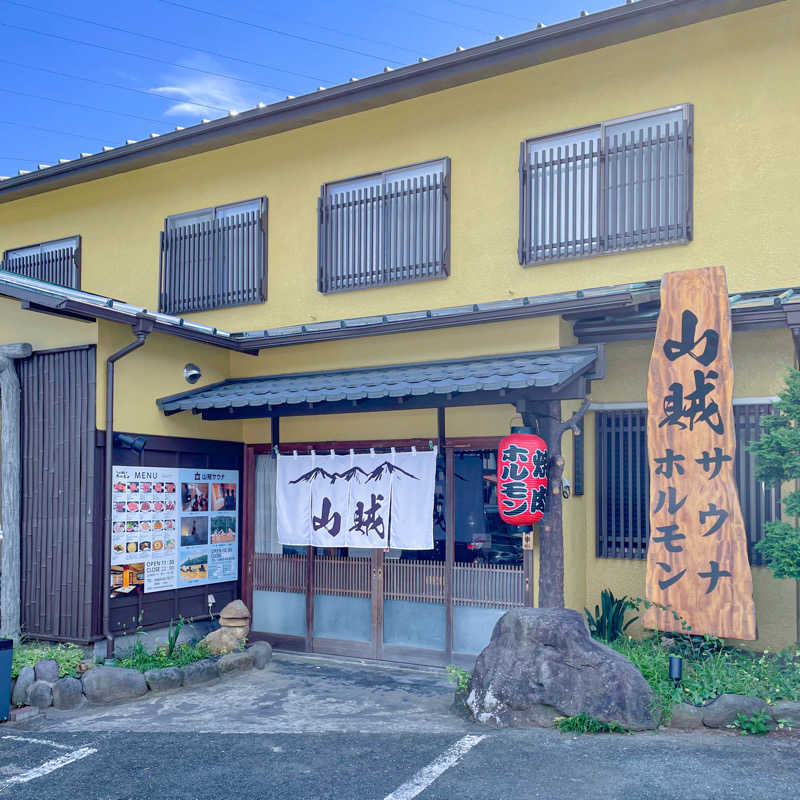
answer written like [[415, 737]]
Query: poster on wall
[[173, 528], [368, 500], [697, 562]]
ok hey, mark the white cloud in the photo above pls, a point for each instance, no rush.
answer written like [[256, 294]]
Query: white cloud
[[195, 92]]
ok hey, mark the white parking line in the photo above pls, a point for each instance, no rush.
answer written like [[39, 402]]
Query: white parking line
[[48, 766], [428, 774]]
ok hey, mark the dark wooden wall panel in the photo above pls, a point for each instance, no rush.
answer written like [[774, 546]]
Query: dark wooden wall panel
[[60, 566]]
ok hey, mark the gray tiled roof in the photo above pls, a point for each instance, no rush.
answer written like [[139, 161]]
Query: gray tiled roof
[[548, 370]]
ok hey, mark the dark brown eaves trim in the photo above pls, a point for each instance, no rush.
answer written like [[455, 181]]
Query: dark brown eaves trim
[[594, 31]]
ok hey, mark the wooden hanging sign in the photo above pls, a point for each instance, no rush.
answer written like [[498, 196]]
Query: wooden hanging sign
[[697, 562]]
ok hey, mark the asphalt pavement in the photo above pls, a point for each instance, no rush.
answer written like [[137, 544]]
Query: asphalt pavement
[[308, 728]]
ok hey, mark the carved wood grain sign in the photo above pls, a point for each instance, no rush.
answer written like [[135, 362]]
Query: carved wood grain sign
[[697, 561]]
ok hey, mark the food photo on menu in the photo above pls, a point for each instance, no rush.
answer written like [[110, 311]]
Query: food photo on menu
[[194, 496]]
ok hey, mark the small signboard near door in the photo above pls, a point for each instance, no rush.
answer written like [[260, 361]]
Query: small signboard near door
[[173, 528]]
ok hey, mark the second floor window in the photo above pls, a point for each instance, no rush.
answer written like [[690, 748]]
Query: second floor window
[[618, 185], [385, 228], [214, 258], [57, 261]]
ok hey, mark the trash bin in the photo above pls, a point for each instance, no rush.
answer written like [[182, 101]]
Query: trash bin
[[6, 651]]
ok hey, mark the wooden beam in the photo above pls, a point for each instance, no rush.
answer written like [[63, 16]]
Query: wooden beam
[[11, 470]]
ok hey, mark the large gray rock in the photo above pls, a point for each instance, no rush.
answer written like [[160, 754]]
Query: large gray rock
[[541, 663], [112, 684], [46, 670], [40, 694], [67, 693], [236, 662], [687, 716], [726, 708], [160, 680], [787, 711], [262, 654], [200, 672], [224, 640], [26, 677]]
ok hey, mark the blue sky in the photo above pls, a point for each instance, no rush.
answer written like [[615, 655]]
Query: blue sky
[[161, 63]]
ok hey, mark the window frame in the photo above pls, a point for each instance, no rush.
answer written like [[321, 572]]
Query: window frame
[[8, 255], [523, 246], [747, 418], [261, 269], [446, 222]]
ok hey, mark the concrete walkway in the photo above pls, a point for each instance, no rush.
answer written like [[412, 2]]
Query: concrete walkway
[[293, 694]]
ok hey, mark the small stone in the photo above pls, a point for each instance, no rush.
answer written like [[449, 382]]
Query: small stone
[[25, 678], [786, 711], [236, 662], [224, 640], [67, 693], [40, 694], [22, 713], [159, 680], [726, 708], [112, 684], [200, 672], [686, 716], [262, 654], [84, 666], [236, 609], [46, 670]]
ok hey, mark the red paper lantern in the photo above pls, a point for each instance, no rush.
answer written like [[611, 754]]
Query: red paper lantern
[[522, 477]]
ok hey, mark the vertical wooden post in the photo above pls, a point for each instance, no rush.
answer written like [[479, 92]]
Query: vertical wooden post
[[551, 528], [12, 487], [450, 547]]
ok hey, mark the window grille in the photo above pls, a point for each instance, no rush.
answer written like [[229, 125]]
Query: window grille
[[214, 258], [386, 228], [614, 186], [623, 482], [57, 261]]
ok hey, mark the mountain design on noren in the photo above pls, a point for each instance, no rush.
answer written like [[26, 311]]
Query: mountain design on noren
[[354, 473]]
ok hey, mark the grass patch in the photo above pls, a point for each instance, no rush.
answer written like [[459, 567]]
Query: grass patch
[[583, 723], [711, 669], [67, 656], [138, 657]]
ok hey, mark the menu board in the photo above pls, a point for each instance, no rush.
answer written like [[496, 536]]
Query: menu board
[[173, 528]]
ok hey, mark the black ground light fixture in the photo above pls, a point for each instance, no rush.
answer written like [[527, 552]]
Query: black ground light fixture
[[675, 668], [128, 442]]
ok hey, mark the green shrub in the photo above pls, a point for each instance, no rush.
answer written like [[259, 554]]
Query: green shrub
[[608, 622], [778, 461], [711, 669], [754, 725], [67, 656], [460, 677], [583, 723], [138, 657]]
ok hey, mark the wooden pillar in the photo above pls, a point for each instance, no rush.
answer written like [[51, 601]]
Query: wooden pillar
[[12, 487], [546, 417]]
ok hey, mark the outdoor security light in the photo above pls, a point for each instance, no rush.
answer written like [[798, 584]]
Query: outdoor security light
[[127, 442], [192, 373]]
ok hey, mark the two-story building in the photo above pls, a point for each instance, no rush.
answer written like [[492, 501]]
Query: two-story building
[[409, 259]]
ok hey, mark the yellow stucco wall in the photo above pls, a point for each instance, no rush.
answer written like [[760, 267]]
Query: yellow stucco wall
[[42, 331], [739, 72]]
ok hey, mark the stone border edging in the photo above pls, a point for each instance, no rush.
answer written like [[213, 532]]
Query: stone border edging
[[40, 687]]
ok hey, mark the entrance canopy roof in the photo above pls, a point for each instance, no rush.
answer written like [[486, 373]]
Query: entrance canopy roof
[[547, 375]]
